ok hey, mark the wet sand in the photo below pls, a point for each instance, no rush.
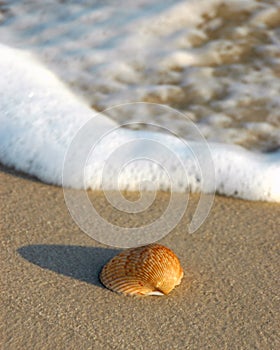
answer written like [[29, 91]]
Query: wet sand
[[51, 297]]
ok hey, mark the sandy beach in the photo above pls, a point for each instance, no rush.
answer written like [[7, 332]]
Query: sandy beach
[[168, 96], [51, 297]]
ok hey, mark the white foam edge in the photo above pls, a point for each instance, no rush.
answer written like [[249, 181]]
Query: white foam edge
[[40, 117]]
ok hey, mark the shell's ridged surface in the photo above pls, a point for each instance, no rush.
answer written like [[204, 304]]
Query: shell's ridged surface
[[149, 270]]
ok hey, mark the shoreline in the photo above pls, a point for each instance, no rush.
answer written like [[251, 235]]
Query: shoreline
[[52, 297]]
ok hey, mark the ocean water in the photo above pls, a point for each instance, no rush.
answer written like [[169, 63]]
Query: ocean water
[[216, 64]]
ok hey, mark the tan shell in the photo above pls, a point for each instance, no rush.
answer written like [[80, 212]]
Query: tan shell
[[149, 270]]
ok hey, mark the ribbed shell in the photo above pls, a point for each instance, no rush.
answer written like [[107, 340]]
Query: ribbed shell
[[149, 270]]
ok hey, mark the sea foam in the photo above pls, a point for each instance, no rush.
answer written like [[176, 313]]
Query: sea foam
[[218, 61], [48, 132]]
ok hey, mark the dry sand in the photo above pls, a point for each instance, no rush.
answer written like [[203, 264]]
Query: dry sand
[[51, 297]]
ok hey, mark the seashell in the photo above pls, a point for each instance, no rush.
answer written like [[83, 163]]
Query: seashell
[[148, 270]]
